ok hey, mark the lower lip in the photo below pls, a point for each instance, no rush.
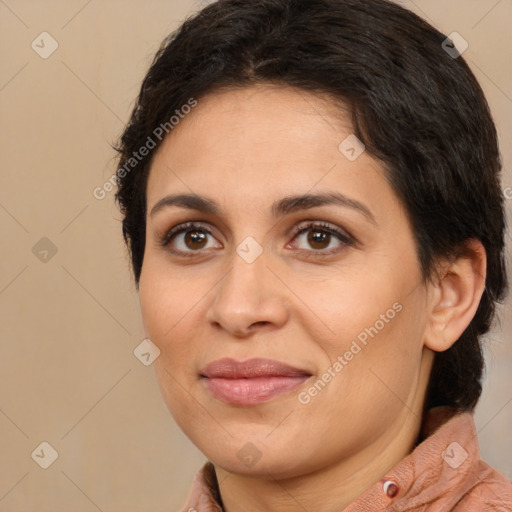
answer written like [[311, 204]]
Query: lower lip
[[252, 391]]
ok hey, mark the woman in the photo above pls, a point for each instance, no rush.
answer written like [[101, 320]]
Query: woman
[[311, 199]]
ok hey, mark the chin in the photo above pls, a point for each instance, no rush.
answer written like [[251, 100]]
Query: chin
[[259, 455], [275, 466]]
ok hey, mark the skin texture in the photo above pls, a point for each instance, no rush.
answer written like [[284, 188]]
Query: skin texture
[[244, 149]]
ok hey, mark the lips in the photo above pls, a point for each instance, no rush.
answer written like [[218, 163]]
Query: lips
[[251, 382], [252, 368]]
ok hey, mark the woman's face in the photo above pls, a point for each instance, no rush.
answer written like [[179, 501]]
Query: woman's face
[[342, 301]]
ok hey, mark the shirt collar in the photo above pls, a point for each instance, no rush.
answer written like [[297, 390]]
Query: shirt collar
[[442, 467]]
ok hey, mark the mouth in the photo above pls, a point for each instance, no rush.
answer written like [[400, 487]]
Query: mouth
[[251, 382]]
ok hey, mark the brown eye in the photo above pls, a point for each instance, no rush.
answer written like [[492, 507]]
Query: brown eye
[[317, 239], [194, 239], [320, 236], [187, 239]]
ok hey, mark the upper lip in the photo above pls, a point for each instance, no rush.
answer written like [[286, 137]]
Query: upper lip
[[228, 368]]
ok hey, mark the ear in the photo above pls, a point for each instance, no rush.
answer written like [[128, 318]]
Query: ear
[[454, 297]]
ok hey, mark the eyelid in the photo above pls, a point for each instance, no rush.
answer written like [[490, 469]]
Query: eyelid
[[322, 226], [183, 227]]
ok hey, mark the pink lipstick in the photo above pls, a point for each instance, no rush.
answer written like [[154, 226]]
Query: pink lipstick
[[251, 382]]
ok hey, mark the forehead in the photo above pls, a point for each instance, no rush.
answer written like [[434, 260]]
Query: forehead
[[249, 146], [245, 126]]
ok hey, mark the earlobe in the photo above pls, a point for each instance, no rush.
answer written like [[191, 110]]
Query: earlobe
[[455, 296]]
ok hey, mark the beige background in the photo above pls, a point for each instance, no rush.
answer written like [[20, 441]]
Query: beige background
[[69, 325]]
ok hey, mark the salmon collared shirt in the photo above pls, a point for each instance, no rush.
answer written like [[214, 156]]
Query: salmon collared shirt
[[444, 473]]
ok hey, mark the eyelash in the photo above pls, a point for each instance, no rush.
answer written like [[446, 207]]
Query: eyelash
[[322, 227]]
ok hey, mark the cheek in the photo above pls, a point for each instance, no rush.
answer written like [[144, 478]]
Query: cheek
[[164, 318], [375, 334], [165, 300], [164, 308], [354, 308]]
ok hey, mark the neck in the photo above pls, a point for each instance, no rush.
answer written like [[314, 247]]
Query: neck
[[335, 487]]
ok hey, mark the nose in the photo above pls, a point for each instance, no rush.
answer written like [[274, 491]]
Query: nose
[[249, 297]]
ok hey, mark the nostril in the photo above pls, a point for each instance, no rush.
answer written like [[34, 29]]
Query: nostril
[[259, 323]]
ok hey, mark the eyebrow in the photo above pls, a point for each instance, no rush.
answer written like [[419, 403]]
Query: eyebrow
[[280, 208]]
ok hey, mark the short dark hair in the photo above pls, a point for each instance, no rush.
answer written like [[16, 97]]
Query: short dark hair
[[417, 108]]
